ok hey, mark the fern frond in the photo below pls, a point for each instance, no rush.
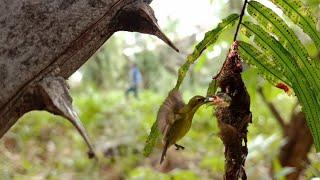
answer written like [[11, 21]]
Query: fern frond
[[311, 108], [300, 83], [273, 23], [272, 48], [266, 68], [300, 15]]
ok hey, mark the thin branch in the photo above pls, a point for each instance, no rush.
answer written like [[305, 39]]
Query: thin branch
[[273, 110], [240, 20]]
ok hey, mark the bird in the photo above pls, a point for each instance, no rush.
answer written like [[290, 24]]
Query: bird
[[174, 117], [221, 100]]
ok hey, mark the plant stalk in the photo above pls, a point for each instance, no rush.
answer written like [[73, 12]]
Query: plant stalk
[[240, 20]]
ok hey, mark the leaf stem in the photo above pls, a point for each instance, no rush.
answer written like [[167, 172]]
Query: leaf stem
[[240, 20]]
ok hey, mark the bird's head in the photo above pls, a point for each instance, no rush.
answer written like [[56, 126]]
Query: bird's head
[[220, 100], [196, 101]]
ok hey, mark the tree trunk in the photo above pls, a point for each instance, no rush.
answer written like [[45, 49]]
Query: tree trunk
[[53, 38]]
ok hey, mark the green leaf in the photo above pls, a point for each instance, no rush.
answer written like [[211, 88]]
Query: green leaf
[[280, 56], [301, 16], [213, 86], [201, 62], [300, 83], [265, 66], [274, 24], [210, 38], [152, 140], [311, 109]]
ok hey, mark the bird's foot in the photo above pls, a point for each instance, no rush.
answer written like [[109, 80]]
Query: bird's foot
[[178, 147]]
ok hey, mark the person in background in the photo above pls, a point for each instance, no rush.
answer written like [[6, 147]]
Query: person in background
[[135, 81]]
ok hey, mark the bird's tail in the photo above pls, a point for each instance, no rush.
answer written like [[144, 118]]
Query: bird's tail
[[164, 151]]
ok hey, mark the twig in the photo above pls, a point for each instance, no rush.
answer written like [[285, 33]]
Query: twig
[[240, 20], [273, 110]]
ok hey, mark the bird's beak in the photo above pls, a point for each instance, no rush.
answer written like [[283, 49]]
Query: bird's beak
[[208, 99], [218, 101]]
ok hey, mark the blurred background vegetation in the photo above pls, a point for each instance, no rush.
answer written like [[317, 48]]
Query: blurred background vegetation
[[44, 146]]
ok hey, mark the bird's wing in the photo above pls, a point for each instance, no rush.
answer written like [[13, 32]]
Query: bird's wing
[[177, 101], [165, 131], [183, 110], [164, 151], [168, 110], [165, 118]]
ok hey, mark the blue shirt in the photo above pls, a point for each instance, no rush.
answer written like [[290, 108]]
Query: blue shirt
[[136, 76]]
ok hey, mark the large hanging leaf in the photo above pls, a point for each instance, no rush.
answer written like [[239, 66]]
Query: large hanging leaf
[[301, 16], [210, 38], [285, 62], [266, 67], [274, 24], [301, 84]]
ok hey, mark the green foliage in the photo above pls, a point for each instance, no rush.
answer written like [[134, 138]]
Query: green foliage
[[271, 22], [266, 67], [43, 146], [301, 16], [152, 140], [210, 38], [279, 56], [212, 88], [272, 48], [48, 147], [288, 60], [274, 24]]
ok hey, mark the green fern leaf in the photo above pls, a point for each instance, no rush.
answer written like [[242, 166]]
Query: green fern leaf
[[210, 38], [300, 84], [266, 68], [300, 15], [310, 107], [273, 23], [272, 48]]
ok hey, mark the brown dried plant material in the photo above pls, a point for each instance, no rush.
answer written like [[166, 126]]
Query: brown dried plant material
[[233, 119]]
